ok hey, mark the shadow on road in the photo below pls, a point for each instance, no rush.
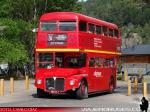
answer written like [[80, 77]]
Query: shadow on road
[[68, 96]]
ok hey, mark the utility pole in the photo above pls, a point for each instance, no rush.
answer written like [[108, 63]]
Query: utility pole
[[45, 5]]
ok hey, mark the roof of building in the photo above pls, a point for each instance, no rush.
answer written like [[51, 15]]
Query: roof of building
[[136, 50]]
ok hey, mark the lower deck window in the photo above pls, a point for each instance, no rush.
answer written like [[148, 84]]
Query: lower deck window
[[98, 62], [63, 61], [91, 62], [45, 60]]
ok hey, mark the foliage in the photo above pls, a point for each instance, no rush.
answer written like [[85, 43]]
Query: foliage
[[119, 76], [14, 53], [5, 8], [19, 17], [11, 45], [145, 33], [57, 6]]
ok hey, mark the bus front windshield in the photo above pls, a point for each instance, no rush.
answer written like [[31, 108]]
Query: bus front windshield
[[45, 60]]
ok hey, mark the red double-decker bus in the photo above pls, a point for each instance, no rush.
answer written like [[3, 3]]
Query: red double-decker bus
[[75, 54]]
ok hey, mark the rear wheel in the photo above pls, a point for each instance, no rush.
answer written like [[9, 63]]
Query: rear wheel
[[111, 85], [82, 91], [41, 93]]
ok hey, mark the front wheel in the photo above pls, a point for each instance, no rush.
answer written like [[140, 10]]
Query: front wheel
[[82, 91], [41, 93]]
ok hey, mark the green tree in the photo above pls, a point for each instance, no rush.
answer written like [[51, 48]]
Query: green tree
[[145, 33], [22, 9], [5, 8], [19, 17], [12, 45], [45, 6]]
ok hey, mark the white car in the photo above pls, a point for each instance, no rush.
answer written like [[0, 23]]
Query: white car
[[3, 69]]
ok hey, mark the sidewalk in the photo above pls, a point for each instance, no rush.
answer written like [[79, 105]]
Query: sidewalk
[[122, 86], [19, 91]]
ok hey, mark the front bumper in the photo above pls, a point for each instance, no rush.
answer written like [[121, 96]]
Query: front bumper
[[57, 84]]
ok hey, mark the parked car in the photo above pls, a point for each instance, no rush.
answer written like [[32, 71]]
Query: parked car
[[139, 78], [148, 73], [4, 69], [0, 70]]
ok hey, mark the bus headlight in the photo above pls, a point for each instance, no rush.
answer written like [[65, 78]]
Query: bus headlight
[[39, 81], [72, 82]]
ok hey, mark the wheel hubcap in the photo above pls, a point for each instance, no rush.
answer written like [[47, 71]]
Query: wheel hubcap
[[83, 89]]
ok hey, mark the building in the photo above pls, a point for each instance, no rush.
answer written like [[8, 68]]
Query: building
[[136, 59]]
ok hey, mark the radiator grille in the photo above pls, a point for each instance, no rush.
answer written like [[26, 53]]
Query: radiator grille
[[57, 84]]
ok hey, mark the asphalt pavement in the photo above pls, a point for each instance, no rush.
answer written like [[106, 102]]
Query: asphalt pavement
[[28, 98]]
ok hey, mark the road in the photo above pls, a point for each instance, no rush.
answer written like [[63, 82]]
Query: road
[[28, 98]]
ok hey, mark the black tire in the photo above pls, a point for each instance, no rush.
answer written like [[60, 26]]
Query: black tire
[[82, 91], [111, 85], [41, 93], [72, 93]]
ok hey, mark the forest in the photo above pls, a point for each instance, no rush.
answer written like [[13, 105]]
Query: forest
[[18, 18]]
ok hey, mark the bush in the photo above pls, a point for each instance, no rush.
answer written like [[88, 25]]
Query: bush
[[119, 77]]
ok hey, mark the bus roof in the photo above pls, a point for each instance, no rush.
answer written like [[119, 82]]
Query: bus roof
[[75, 16]]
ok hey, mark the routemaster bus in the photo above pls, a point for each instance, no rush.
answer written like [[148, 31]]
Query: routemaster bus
[[75, 54]]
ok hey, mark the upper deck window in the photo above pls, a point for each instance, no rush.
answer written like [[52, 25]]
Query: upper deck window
[[98, 30], [105, 31], [111, 32], [91, 28], [116, 33], [48, 26], [67, 26], [82, 26]]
